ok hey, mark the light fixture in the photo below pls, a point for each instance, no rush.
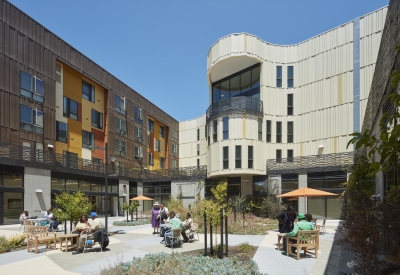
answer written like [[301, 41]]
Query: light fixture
[[321, 146], [124, 195], [113, 159], [50, 146], [38, 191]]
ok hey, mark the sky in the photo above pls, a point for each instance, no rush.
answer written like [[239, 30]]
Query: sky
[[159, 48]]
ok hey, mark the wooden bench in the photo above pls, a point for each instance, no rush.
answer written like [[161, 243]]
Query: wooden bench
[[38, 234], [306, 240]]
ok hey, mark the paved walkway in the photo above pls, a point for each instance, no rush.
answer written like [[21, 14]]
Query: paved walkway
[[139, 241]]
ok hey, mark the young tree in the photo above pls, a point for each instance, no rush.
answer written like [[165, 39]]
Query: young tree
[[271, 206], [130, 208]]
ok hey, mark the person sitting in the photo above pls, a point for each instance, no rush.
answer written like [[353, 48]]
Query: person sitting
[[95, 225], [301, 225], [47, 215], [82, 226], [24, 216], [309, 218], [187, 227], [176, 223]]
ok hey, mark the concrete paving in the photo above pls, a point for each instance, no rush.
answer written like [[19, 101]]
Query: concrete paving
[[139, 241]]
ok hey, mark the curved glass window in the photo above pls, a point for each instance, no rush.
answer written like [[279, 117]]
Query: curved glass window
[[243, 83]]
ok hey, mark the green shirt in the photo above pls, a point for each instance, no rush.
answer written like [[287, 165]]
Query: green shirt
[[175, 223], [301, 225]]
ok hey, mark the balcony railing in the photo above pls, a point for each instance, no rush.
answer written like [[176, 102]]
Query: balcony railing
[[314, 163], [235, 105]]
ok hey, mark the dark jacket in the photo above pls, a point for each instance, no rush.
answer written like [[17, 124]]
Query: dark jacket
[[101, 237], [282, 218]]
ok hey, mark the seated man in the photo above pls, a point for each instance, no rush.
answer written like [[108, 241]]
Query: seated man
[[176, 223], [47, 215], [187, 227], [301, 225], [95, 225]]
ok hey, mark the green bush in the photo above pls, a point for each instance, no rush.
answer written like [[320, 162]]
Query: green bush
[[17, 240], [4, 245], [245, 247], [176, 263], [132, 223]]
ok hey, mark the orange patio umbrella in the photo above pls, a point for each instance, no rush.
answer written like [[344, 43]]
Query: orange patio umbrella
[[141, 198]]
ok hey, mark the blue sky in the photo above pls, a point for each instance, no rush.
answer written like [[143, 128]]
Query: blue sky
[[159, 48]]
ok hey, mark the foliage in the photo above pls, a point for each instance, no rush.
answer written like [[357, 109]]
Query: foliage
[[271, 206], [178, 207], [4, 245], [176, 264], [131, 223], [241, 203], [130, 207], [71, 206], [244, 247], [17, 240]]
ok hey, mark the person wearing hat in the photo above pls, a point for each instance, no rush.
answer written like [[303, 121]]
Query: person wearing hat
[[286, 220], [303, 224], [95, 225], [155, 221]]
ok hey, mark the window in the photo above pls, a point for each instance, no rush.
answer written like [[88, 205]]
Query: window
[[151, 125], [260, 129], [225, 157], [198, 149], [279, 76], [198, 134], [205, 131], [174, 163], [138, 115], [174, 135], [151, 160], [70, 159], [62, 131], [157, 145], [120, 126], [174, 149], [31, 119], [162, 131], [31, 86], [97, 161], [87, 91], [138, 152], [269, 130], [250, 157], [215, 123], [225, 127], [290, 155], [278, 132], [290, 132], [278, 156], [209, 133], [138, 134], [238, 156], [97, 119], [290, 73], [198, 163], [120, 104], [87, 139], [70, 108], [162, 163], [120, 148], [290, 104]]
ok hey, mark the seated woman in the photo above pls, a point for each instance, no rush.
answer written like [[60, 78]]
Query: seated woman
[[24, 216], [187, 227], [82, 226]]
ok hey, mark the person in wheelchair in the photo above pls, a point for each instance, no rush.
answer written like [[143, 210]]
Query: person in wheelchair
[[176, 223], [95, 225]]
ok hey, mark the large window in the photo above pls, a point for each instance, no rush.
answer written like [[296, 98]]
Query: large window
[[97, 119], [238, 156], [250, 157], [290, 132], [225, 129], [151, 125], [87, 91], [279, 76], [215, 137], [151, 160], [157, 145], [269, 130], [225, 157], [120, 148], [138, 152], [290, 104], [162, 131], [31, 86], [279, 132], [120, 126], [120, 104], [138, 115], [31, 119], [138, 134], [62, 131], [70, 108], [260, 129], [290, 73], [278, 155], [243, 83], [87, 139]]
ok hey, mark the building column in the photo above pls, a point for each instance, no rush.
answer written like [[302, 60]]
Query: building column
[[140, 193], [37, 185], [302, 202], [123, 190]]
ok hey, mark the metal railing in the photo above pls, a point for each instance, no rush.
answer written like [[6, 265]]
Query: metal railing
[[309, 164], [13, 154], [235, 105]]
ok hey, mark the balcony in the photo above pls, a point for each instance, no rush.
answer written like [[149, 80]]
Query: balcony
[[233, 106]]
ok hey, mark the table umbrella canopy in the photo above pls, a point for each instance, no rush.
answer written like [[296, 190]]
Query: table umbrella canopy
[[141, 198], [306, 192]]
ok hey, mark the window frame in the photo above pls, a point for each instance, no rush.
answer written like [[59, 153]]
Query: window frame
[[162, 163], [58, 138], [225, 157], [138, 134], [198, 134], [198, 149], [120, 130], [36, 120], [67, 108], [290, 132], [278, 153], [174, 149], [238, 156], [150, 123], [90, 137], [138, 114], [215, 130], [290, 155], [157, 145], [138, 152], [32, 92], [260, 121], [279, 132], [151, 159], [250, 157], [269, 131], [119, 146], [98, 116], [290, 108], [91, 96], [290, 76], [162, 131], [279, 79], [225, 128], [120, 109]]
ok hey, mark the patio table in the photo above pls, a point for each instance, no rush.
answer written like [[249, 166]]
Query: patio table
[[66, 237], [37, 221]]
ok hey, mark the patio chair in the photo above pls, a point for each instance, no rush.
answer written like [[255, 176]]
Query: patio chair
[[306, 240], [175, 237], [38, 234], [25, 223], [195, 229], [322, 226]]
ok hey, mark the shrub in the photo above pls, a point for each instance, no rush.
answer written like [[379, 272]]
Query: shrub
[[4, 245], [17, 240], [245, 247], [132, 223], [176, 263]]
